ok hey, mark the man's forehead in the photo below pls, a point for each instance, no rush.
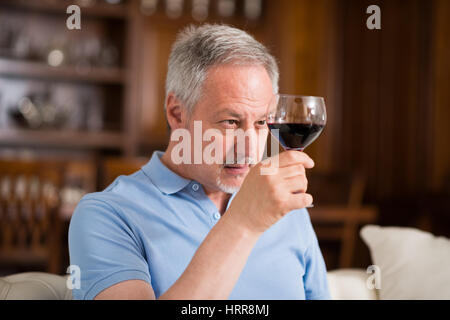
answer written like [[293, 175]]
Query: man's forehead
[[237, 89], [250, 82]]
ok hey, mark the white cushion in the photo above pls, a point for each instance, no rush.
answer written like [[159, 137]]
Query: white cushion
[[413, 264], [350, 284]]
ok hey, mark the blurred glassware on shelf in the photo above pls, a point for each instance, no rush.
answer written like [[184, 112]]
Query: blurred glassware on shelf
[[93, 52], [6, 38], [26, 114], [70, 196], [1, 110], [200, 9], [57, 52], [148, 7], [21, 47], [85, 3], [174, 8], [38, 110], [252, 9], [68, 101], [5, 187], [78, 57], [109, 55], [40, 49], [226, 8], [113, 1], [55, 58], [93, 115]]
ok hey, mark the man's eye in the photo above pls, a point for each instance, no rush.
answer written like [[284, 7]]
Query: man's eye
[[230, 122], [261, 122]]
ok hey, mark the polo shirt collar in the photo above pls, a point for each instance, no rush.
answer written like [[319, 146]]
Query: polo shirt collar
[[162, 177]]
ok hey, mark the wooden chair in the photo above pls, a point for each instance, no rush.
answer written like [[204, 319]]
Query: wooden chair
[[30, 226], [338, 211]]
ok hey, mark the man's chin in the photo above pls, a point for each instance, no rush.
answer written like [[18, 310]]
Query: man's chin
[[227, 186], [228, 189]]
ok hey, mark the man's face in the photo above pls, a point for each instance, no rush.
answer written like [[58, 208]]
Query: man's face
[[234, 97]]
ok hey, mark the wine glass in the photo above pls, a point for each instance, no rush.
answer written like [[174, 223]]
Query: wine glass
[[296, 121]]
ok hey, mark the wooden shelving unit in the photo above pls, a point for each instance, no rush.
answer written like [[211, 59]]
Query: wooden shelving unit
[[100, 10], [115, 84], [60, 139], [27, 69]]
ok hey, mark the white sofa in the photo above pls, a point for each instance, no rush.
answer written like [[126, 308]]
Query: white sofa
[[351, 284], [344, 284], [34, 286], [412, 264]]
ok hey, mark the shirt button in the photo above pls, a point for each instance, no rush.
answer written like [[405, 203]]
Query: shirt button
[[195, 187], [217, 216]]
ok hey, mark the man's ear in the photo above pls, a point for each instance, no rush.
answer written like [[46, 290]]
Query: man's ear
[[174, 112]]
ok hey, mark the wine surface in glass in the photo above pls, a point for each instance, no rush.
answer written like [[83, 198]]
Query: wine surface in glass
[[296, 136]]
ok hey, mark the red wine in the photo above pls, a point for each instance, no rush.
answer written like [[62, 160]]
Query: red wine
[[295, 136]]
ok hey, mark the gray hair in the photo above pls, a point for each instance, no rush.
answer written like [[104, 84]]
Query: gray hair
[[196, 49]]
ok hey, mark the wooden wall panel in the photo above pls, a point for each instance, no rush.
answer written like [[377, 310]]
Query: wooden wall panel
[[439, 175], [156, 48], [303, 35], [379, 84], [385, 96]]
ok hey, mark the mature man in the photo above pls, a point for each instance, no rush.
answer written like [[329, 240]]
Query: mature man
[[198, 230]]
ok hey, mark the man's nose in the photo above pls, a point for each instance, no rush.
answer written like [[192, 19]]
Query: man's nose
[[247, 143]]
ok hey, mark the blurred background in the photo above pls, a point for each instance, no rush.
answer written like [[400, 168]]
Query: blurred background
[[80, 107]]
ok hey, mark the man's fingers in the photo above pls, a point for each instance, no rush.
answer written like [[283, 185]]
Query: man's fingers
[[293, 171], [301, 200], [296, 184], [293, 157]]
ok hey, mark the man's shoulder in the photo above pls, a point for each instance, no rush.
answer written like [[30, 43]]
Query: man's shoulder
[[97, 206], [128, 184], [101, 199], [123, 198], [126, 189]]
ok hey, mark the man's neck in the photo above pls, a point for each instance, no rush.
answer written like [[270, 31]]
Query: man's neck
[[219, 198]]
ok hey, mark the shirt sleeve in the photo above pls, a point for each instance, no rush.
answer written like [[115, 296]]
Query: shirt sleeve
[[315, 277], [104, 247]]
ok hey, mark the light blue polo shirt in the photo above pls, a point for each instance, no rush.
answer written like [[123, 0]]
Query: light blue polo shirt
[[148, 225]]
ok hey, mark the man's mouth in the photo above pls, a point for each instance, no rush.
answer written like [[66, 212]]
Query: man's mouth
[[236, 168]]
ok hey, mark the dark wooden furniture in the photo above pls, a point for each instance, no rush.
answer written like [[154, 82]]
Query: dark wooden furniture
[[30, 225], [111, 88], [339, 212], [112, 167]]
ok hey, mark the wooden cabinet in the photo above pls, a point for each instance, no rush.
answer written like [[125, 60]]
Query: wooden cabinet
[[75, 84], [129, 93]]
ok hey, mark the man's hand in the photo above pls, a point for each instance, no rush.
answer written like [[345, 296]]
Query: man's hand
[[264, 199]]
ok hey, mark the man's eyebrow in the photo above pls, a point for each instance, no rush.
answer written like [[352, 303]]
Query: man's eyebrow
[[234, 114], [230, 113]]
